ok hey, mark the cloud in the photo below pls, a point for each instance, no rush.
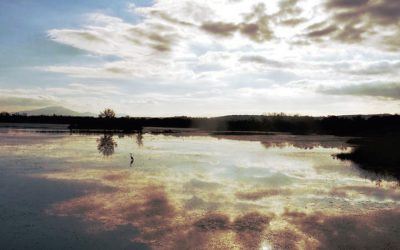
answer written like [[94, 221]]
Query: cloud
[[255, 26], [16, 103], [346, 3], [79, 89], [293, 21], [131, 7], [289, 7], [253, 53], [362, 20], [289, 13], [262, 60], [77, 96], [219, 28], [21, 101], [350, 34], [383, 12], [322, 32], [371, 68], [167, 34], [376, 89], [108, 35], [170, 19]]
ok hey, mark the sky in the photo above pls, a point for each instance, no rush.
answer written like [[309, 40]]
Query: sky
[[201, 58]]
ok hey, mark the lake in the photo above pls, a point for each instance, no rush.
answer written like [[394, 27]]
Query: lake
[[189, 190]]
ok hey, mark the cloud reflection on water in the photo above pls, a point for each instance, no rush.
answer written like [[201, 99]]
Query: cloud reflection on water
[[201, 192], [148, 203]]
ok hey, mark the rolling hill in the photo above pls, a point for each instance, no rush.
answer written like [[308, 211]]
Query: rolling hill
[[55, 110]]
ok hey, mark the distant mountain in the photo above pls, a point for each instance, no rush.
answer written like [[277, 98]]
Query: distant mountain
[[55, 110]]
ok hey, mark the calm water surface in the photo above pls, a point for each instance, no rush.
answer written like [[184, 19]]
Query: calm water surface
[[188, 191]]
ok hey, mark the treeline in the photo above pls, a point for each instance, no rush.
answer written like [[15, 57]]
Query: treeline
[[335, 125], [379, 154]]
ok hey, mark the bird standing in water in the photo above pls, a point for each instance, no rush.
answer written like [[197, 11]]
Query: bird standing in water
[[132, 159]]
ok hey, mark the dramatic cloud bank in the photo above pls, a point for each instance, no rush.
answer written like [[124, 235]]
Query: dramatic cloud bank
[[223, 57]]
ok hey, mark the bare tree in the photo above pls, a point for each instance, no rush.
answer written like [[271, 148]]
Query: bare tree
[[107, 113]]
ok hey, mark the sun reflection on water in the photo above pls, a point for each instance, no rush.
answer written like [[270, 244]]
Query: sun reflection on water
[[266, 246]]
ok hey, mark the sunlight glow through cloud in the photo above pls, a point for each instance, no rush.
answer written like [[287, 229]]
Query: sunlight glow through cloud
[[296, 56]]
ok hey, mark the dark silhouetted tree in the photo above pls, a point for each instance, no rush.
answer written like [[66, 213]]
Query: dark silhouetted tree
[[107, 113]]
